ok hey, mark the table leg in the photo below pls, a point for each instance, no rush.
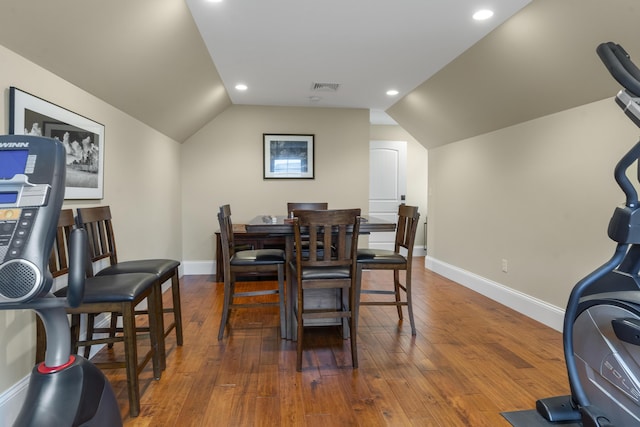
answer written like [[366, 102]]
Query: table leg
[[288, 249]]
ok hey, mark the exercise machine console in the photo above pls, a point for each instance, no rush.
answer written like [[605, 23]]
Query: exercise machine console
[[64, 390], [601, 335]]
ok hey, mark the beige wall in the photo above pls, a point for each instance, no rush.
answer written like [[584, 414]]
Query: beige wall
[[417, 170], [141, 184], [538, 194], [222, 163]]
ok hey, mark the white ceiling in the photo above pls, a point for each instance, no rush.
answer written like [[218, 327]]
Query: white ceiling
[[280, 48], [148, 58]]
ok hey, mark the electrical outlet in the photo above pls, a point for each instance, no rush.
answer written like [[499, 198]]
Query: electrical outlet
[[505, 265]]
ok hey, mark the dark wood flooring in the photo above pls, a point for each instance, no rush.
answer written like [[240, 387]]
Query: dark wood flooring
[[472, 359]]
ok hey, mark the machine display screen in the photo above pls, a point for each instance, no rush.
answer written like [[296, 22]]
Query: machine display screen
[[12, 162], [10, 197]]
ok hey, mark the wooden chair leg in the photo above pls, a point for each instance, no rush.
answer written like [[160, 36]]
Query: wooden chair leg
[[177, 308], [75, 333], [300, 328], [131, 357], [281, 298], [156, 328], [156, 331], [356, 305], [113, 328], [299, 342], [396, 285], [407, 284], [90, 326], [225, 309], [354, 328], [345, 304]]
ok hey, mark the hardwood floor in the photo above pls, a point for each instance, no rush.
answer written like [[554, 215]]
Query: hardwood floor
[[471, 359]]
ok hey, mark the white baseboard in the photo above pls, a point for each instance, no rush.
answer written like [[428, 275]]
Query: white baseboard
[[199, 267], [534, 308], [419, 251]]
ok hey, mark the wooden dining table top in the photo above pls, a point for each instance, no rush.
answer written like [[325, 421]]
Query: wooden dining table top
[[281, 224]]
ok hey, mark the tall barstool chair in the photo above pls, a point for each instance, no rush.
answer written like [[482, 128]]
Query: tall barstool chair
[[258, 260], [119, 293], [102, 245], [381, 259], [317, 268]]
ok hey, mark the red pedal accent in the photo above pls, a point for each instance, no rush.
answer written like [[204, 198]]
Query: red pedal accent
[[44, 369]]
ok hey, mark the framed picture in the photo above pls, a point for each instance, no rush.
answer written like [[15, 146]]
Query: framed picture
[[288, 156], [82, 138]]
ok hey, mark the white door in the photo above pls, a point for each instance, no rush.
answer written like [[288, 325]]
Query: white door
[[387, 186]]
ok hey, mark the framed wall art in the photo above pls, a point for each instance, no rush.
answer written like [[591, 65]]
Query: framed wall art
[[82, 138], [288, 156]]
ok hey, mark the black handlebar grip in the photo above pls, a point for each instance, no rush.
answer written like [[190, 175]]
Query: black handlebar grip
[[77, 261], [619, 64]]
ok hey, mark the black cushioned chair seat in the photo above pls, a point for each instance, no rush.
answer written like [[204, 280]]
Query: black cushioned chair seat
[[258, 256], [313, 273], [123, 287], [380, 256], [159, 267]]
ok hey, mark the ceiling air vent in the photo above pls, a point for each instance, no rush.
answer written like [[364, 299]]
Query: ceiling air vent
[[325, 87]]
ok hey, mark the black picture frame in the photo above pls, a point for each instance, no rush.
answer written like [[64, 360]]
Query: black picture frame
[[82, 137], [288, 156]]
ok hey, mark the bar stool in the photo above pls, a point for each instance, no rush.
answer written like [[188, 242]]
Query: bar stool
[[258, 260], [102, 245], [381, 259], [317, 268], [106, 294]]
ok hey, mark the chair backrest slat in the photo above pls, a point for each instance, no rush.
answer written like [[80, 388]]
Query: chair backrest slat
[[333, 237], [98, 223], [59, 259], [408, 217], [226, 232]]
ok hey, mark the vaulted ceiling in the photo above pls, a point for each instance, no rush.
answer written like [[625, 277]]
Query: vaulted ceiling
[[541, 61], [172, 63]]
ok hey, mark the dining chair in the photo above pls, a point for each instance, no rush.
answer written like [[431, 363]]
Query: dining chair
[[98, 223], [105, 294], [247, 261], [322, 269], [384, 259]]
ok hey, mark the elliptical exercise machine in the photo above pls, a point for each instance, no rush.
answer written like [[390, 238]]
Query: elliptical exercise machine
[[64, 390], [601, 335]]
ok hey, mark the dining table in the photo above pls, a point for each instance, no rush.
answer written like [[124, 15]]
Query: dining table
[[282, 225]]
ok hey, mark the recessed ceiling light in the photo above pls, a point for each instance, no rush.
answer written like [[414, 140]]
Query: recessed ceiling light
[[392, 92], [214, 1], [241, 86], [483, 14]]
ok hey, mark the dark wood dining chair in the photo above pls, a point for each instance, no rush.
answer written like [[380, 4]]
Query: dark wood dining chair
[[98, 223], [257, 260], [384, 259], [317, 268], [105, 294]]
